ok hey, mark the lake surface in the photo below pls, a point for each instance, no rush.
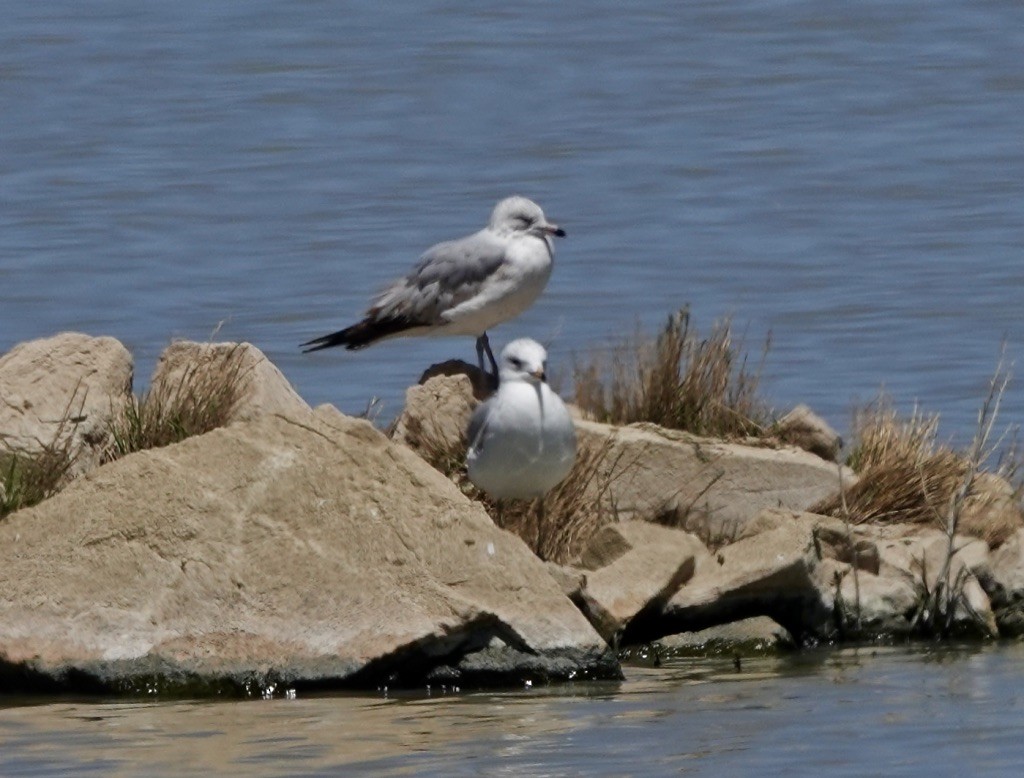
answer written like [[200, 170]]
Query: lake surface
[[848, 177], [853, 712]]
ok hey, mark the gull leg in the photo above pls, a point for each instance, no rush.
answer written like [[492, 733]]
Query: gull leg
[[484, 345], [480, 353]]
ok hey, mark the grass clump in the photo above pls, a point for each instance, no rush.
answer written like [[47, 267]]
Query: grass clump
[[904, 472], [29, 477], [201, 397], [907, 476], [678, 380]]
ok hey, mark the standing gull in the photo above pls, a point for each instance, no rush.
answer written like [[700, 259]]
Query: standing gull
[[464, 286], [522, 442]]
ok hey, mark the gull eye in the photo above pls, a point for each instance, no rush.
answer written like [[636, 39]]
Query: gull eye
[[516, 362], [524, 221]]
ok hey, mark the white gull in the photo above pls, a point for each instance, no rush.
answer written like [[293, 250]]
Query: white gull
[[522, 442], [464, 286]]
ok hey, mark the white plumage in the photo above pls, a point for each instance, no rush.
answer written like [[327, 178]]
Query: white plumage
[[522, 441]]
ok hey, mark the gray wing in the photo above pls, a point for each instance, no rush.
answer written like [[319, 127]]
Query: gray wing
[[447, 275]]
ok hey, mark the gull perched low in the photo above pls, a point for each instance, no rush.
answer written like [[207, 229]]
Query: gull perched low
[[522, 442], [464, 286]]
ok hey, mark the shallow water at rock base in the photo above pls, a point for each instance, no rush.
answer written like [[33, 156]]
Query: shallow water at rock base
[[939, 709]]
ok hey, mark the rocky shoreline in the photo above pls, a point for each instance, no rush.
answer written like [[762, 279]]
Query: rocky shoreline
[[298, 548]]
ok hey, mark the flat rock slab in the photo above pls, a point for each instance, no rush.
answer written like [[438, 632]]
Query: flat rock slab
[[757, 635], [771, 574], [310, 552], [716, 487]]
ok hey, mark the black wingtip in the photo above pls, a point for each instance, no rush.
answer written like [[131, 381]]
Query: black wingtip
[[359, 335]]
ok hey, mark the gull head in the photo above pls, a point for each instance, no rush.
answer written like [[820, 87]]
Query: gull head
[[523, 360], [520, 215]]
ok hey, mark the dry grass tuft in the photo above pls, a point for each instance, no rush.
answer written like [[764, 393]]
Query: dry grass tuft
[[905, 474], [678, 380], [202, 399]]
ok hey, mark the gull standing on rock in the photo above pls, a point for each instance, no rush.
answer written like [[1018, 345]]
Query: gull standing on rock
[[522, 442], [464, 286]]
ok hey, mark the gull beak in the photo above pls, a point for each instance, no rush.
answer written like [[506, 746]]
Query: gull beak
[[553, 229], [539, 374]]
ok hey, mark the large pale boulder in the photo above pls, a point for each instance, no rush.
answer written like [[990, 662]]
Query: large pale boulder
[[63, 391], [188, 366], [712, 486], [303, 552]]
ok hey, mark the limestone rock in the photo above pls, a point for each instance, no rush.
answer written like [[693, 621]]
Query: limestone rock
[[805, 429], [712, 487], [910, 561], [1008, 570], [63, 389], [868, 605], [435, 417], [757, 635], [1006, 585], [655, 563], [771, 574], [570, 580], [612, 541], [303, 552], [263, 388], [992, 511]]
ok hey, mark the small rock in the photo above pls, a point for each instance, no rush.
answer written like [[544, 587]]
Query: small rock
[[805, 429], [484, 384], [757, 635], [64, 390], [435, 417], [713, 487]]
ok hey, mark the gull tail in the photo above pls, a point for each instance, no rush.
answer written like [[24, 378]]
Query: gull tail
[[359, 335]]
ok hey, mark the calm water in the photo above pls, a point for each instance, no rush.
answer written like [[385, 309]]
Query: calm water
[[850, 712], [847, 176]]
